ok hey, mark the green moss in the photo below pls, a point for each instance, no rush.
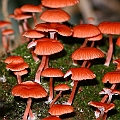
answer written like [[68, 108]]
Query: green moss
[[14, 108]]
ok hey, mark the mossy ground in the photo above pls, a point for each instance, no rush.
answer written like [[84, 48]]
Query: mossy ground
[[13, 107]]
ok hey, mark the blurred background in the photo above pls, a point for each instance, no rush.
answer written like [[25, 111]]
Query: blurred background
[[100, 10]]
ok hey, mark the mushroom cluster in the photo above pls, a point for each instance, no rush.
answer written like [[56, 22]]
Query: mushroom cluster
[[42, 40]]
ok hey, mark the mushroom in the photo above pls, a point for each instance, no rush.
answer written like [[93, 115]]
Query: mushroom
[[29, 90], [85, 31], [33, 34], [103, 108], [55, 15], [19, 74], [14, 59], [112, 78], [53, 29], [6, 38], [51, 72], [60, 109], [117, 61], [61, 88], [58, 4], [45, 47], [78, 74], [51, 118], [32, 9], [110, 28], [110, 93], [86, 53]]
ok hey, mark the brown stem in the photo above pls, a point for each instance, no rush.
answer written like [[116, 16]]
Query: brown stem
[[40, 68], [29, 101], [110, 51]]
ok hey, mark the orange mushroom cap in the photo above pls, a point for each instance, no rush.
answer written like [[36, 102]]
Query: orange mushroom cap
[[17, 66], [22, 16], [4, 23], [15, 59], [85, 31], [95, 38], [48, 47], [87, 53], [58, 4], [54, 27], [109, 27], [51, 118], [7, 31], [61, 87], [33, 34], [31, 8], [60, 109], [111, 77], [52, 72], [80, 74], [99, 105], [118, 41], [29, 89], [55, 15]]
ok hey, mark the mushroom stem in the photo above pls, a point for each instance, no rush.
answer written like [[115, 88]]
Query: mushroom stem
[[19, 79], [34, 18], [29, 101], [70, 100], [53, 35], [4, 43], [46, 63], [84, 44], [40, 68], [36, 59], [106, 96], [57, 96], [51, 94], [110, 51]]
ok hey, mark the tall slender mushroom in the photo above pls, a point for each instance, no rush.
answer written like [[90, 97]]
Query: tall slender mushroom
[[78, 74], [29, 90], [33, 9], [45, 47], [60, 88], [109, 28], [51, 72]]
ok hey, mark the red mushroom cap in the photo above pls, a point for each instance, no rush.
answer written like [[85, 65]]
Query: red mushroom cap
[[29, 89], [58, 4], [111, 77], [55, 15], [33, 34], [7, 31], [87, 53], [60, 109], [31, 8], [15, 59], [51, 118], [17, 66], [109, 27], [54, 27], [80, 74], [52, 72], [48, 47], [85, 31]]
